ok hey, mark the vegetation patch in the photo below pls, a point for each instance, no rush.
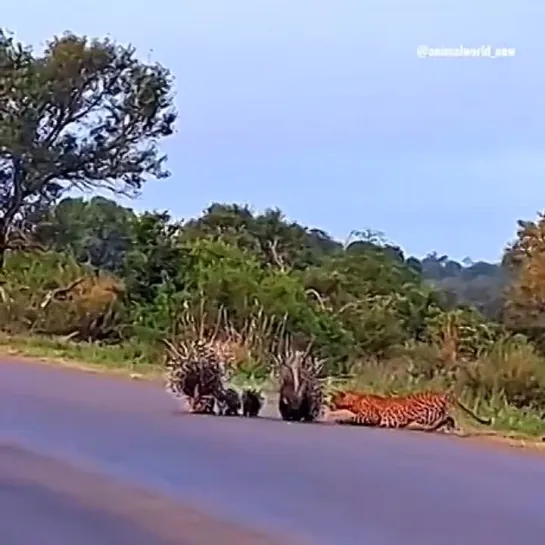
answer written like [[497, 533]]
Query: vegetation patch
[[126, 359]]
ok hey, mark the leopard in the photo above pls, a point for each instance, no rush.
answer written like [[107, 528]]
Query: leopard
[[426, 411], [364, 409]]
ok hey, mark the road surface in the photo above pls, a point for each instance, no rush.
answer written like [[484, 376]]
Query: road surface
[[247, 481]]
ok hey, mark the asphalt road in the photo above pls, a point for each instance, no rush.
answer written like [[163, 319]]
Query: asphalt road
[[214, 481], [49, 502]]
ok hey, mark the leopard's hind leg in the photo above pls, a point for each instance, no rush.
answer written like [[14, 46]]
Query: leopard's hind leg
[[345, 417], [340, 416]]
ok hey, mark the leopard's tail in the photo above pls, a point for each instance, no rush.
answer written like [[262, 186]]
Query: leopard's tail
[[467, 410]]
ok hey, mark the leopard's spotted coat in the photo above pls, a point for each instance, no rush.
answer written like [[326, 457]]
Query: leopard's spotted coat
[[429, 411]]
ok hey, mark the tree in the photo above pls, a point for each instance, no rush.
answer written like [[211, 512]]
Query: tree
[[155, 258], [85, 114], [525, 298], [97, 231], [269, 236]]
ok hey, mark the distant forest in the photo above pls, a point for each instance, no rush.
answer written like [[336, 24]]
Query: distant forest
[[479, 284]]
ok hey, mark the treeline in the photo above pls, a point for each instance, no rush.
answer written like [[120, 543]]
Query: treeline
[[478, 284]]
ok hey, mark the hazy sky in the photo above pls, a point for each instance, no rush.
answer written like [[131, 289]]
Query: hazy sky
[[322, 108]]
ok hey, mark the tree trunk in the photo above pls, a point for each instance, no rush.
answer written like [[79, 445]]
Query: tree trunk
[[3, 246]]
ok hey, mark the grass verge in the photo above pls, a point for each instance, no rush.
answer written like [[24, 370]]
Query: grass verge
[[125, 359]]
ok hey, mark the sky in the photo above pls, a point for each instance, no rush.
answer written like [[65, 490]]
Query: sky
[[323, 109]]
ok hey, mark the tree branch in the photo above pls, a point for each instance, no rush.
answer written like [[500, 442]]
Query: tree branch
[[60, 292]]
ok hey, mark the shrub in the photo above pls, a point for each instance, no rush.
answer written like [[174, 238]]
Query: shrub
[[51, 294]]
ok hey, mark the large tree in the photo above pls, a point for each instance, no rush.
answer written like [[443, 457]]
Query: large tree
[[84, 114]]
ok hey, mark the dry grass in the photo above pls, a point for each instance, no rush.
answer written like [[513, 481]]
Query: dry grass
[[54, 295]]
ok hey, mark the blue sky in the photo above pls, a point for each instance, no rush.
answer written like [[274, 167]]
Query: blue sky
[[322, 108]]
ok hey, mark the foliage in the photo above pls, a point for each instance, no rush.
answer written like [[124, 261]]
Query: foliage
[[525, 302], [461, 335], [53, 294], [97, 231], [512, 369], [84, 114]]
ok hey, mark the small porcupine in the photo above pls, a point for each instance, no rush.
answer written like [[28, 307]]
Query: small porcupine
[[229, 402], [301, 392], [252, 402]]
